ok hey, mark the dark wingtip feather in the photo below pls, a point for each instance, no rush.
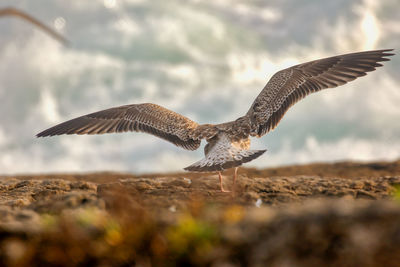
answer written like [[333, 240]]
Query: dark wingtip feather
[[388, 50], [386, 54], [49, 132], [43, 134]]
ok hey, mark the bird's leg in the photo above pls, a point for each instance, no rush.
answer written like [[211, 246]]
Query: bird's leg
[[220, 183], [234, 178]]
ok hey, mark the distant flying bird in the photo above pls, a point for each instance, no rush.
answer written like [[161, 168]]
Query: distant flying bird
[[10, 11], [228, 143]]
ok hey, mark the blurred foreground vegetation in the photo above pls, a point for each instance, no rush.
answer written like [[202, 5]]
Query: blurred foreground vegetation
[[317, 233], [344, 215]]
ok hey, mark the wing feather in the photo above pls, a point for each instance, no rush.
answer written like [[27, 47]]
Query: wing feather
[[148, 118], [288, 86]]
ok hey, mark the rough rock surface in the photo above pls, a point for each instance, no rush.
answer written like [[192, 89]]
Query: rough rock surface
[[46, 195], [54, 195], [312, 215]]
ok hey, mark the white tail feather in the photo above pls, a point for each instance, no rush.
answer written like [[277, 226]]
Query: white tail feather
[[223, 156]]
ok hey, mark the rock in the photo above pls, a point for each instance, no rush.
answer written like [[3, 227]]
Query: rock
[[327, 233], [365, 194], [288, 220], [70, 200], [49, 195], [18, 220]]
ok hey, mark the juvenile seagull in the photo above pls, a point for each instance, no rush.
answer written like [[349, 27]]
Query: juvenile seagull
[[228, 144]]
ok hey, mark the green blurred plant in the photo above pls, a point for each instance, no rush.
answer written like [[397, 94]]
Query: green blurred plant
[[396, 192], [191, 235]]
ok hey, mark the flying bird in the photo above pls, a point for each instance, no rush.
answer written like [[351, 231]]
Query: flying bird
[[10, 11], [228, 144]]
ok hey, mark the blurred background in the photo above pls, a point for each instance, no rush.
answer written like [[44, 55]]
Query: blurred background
[[207, 60]]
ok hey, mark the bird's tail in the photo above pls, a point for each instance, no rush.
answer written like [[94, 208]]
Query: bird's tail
[[222, 161]]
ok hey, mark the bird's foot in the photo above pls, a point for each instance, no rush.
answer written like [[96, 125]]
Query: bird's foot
[[225, 191]]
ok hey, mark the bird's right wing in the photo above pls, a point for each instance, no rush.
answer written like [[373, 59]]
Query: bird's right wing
[[290, 85], [148, 118]]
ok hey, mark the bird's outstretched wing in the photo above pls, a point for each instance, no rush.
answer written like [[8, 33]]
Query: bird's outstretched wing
[[148, 118], [9, 11], [290, 85]]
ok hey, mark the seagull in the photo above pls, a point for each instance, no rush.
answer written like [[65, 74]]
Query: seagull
[[228, 144]]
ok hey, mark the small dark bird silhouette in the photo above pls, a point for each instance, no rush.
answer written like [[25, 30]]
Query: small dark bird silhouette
[[10, 11]]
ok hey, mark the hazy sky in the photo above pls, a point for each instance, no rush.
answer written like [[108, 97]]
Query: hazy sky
[[205, 59]]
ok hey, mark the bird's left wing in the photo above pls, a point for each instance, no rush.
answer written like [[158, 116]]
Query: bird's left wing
[[290, 85]]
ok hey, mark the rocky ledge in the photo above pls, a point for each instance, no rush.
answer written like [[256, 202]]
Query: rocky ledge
[[351, 218]]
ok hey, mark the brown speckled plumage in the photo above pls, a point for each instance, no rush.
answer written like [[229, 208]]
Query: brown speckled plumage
[[228, 143], [148, 118], [290, 85]]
